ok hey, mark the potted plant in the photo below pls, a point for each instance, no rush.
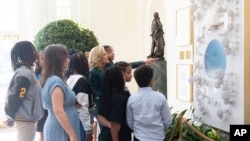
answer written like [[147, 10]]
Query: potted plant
[[183, 129], [66, 32]]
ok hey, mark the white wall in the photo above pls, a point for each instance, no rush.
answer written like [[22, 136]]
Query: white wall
[[33, 15], [113, 23], [173, 54]]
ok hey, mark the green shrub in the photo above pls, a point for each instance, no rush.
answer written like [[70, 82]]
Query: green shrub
[[65, 32]]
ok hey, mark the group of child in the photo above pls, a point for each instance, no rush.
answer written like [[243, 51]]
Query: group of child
[[97, 94], [117, 118]]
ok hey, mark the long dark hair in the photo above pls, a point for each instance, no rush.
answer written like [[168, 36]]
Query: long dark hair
[[54, 57], [23, 53], [112, 81], [78, 63]]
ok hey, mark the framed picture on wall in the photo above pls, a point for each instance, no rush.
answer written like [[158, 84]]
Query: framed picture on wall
[[183, 27], [184, 88], [186, 53]]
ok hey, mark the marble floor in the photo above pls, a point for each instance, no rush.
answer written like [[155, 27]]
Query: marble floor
[[9, 134]]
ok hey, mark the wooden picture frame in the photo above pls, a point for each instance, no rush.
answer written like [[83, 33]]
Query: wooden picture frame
[[183, 27], [184, 88]]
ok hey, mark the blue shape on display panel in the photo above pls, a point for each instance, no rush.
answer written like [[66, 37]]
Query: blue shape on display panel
[[215, 58]]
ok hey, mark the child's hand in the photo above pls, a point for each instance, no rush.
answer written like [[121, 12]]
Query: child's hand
[[78, 105], [9, 122]]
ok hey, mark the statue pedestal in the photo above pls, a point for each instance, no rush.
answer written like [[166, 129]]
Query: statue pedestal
[[160, 76]]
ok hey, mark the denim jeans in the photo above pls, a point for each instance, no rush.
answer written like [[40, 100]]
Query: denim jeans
[[82, 132]]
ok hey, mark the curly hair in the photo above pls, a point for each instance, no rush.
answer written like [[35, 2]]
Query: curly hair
[[23, 53], [78, 63]]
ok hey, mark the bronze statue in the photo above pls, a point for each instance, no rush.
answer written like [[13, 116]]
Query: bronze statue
[[158, 43]]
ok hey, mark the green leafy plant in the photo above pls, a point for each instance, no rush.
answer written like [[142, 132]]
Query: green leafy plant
[[183, 129], [66, 32]]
